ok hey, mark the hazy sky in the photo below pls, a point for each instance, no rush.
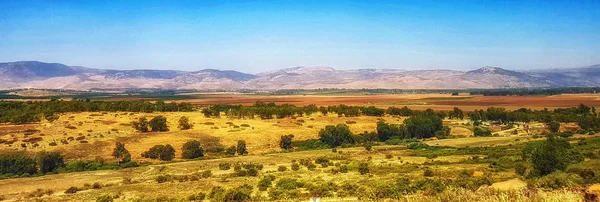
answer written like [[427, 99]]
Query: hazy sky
[[255, 36]]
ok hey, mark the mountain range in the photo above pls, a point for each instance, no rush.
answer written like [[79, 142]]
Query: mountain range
[[40, 75]]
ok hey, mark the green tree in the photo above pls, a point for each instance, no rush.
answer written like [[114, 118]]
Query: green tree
[[159, 124], [162, 152], [554, 126], [337, 135], [241, 147], [286, 141], [49, 161], [481, 132], [551, 155], [121, 153], [191, 150], [184, 123], [423, 126], [141, 124]]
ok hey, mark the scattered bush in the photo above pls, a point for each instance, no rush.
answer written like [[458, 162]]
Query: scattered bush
[[363, 168], [71, 190], [162, 152], [281, 168], [224, 166]]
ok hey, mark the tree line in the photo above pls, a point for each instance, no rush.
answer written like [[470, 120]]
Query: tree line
[[34, 111]]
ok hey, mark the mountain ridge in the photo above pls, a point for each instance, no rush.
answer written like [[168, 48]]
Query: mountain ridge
[[35, 74]]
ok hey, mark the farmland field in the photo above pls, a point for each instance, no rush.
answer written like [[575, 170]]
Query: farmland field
[[482, 168]]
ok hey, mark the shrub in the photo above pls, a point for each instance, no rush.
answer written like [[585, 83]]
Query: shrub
[[224, 166], [241, 148], [162, 178], [286, 141], [428, 173], [389, 156], [363, 168], [191, 150], [265, 182], [231, 150], [104, 198], [554, 126], [343, 169], [551, 155], [521, 169], [158, 124], [141, 124], [96, 185], [206, 174], [295, 166], [368, 146], [481, 132], [417, 145], [184, 123], [281, 168], [197, 197], [49, 161], [71, 190], [162, 152]]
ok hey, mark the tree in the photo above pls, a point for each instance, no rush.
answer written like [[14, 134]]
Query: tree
[[456, 113], [423, 126], [17, 163], [241, 147], [286, 141], [184, 123], [121, 153], [551, 155], [162, 152], [554, 126], [481, 132], [159, 124], [140, 125], [337, 135], [231, 150], [49, 161], [192, 150]]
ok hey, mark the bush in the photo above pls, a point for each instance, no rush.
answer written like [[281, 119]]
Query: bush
[[428, 173], [241, 148], [104, 198], [71, 190], [368, 146], [224, 166], [265, 182], [162, 178], [554, 126], [551, 155], [50, 161], [343, 169], [162, 152], [184, 123], [191, 150], [282, 168], [158, 124], [196, 197], [521, 169], [295, 166], [363, 168], [141, 124], [481, 132], [17, 163], [417, 145], [286, 142], [96, 185], [230, 151], [121, 153]]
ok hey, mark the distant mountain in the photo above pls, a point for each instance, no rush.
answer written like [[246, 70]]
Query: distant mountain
[[33, 74]]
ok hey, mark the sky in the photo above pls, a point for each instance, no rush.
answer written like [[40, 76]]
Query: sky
[[258, 36]]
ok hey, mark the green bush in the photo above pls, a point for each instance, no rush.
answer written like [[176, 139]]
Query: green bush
[[417, 145], [191, 150], [281, 168], [224, 166], [162, 178], [363, 168], [266, 182], [295, 166], [162, 152], [428, 173], [197, 197]]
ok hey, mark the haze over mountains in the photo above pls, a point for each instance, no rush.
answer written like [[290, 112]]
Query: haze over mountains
[[33, 74]]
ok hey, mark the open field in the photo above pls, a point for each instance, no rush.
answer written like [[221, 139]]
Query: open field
[[413, 101], [482, 168]]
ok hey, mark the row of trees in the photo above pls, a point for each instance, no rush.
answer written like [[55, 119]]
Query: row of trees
[[191, 150], [34, 111], [19, 163], [271, 110]]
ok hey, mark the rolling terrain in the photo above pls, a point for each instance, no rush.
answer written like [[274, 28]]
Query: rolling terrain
[[33, 74]]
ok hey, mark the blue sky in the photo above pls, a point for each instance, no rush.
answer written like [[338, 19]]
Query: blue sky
[[256, 36]]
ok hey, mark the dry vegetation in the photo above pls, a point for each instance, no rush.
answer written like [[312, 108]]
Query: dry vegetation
[[93, 135]]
